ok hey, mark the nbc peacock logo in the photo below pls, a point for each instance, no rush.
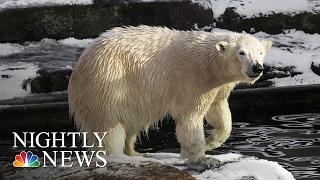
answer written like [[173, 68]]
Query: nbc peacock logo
[[26, 159]]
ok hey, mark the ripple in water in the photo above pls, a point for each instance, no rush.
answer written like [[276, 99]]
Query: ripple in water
[[292, 140]]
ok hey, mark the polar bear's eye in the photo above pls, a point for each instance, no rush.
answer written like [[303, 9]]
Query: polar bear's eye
[[260, 53], [242, 53]]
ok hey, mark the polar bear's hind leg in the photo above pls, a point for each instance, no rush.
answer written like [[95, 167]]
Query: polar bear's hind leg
[[129, 145], [114, 141]]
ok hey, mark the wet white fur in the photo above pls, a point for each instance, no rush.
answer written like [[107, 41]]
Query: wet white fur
[[132, 77]]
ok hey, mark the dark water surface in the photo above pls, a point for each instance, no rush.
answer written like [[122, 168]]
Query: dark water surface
[[291, 140]]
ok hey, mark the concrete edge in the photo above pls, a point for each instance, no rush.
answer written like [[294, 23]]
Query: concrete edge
[[265, 96]]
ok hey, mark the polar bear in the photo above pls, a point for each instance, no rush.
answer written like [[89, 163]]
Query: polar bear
[[132, 77]]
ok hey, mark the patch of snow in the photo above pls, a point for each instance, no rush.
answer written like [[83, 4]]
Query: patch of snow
[[302, 79], [81, 43], [7, 49], [12, 77], [11, 4], [251, 8], [67, 67], [259, 169], [294, 48], [218, 6], [10, 48]]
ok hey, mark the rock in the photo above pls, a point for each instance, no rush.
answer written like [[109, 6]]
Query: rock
[[269, 73], [6, 76], [272, 24], [84, 21], [156, 166], [114, 170], [315, 68], [88, 21], [50, 80], [258, 84]]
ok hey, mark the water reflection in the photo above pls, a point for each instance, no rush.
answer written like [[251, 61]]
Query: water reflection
[[293, 141]]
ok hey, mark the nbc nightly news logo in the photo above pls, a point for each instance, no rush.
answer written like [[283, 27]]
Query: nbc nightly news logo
[[51, 140]]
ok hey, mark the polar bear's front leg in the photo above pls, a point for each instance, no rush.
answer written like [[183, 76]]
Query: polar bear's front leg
[[190, 135], [218, 116]]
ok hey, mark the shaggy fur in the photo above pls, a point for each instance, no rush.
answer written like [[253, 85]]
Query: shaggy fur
[[132, 77]]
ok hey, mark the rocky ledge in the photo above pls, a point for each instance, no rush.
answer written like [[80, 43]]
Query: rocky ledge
[[156, 166], [84, 21]]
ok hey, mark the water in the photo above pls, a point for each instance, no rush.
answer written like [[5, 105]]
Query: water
[[291, 140]]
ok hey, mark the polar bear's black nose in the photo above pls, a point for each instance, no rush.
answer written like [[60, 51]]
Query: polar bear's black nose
[[257, 68]]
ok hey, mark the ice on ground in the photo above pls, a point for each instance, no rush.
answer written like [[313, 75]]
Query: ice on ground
[[251, 8], [10, 48], [12, 77], [11, 4], [235, 167]]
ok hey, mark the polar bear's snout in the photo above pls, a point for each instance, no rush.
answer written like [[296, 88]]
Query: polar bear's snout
[[256, 70]]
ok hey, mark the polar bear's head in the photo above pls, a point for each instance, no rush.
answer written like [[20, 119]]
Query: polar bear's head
[[247, 54]]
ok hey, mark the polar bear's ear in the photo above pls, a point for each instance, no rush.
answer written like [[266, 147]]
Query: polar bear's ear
[[267, 44], [222, 46]]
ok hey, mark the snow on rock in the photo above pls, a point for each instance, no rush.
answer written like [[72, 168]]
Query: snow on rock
[[294, 48], [81, 43], [12, 77], [19, 62], [234, 167], [257, 169], [7, 49], [218, 6], [11, 4], [251, 8], [10, 48]]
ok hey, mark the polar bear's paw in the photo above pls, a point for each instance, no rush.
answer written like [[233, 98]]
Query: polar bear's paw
[[133, 153], [204, 164]]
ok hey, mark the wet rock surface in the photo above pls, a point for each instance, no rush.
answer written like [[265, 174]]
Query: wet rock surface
[[152, 166], [269, 73], [50, 80], [113, 170]]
